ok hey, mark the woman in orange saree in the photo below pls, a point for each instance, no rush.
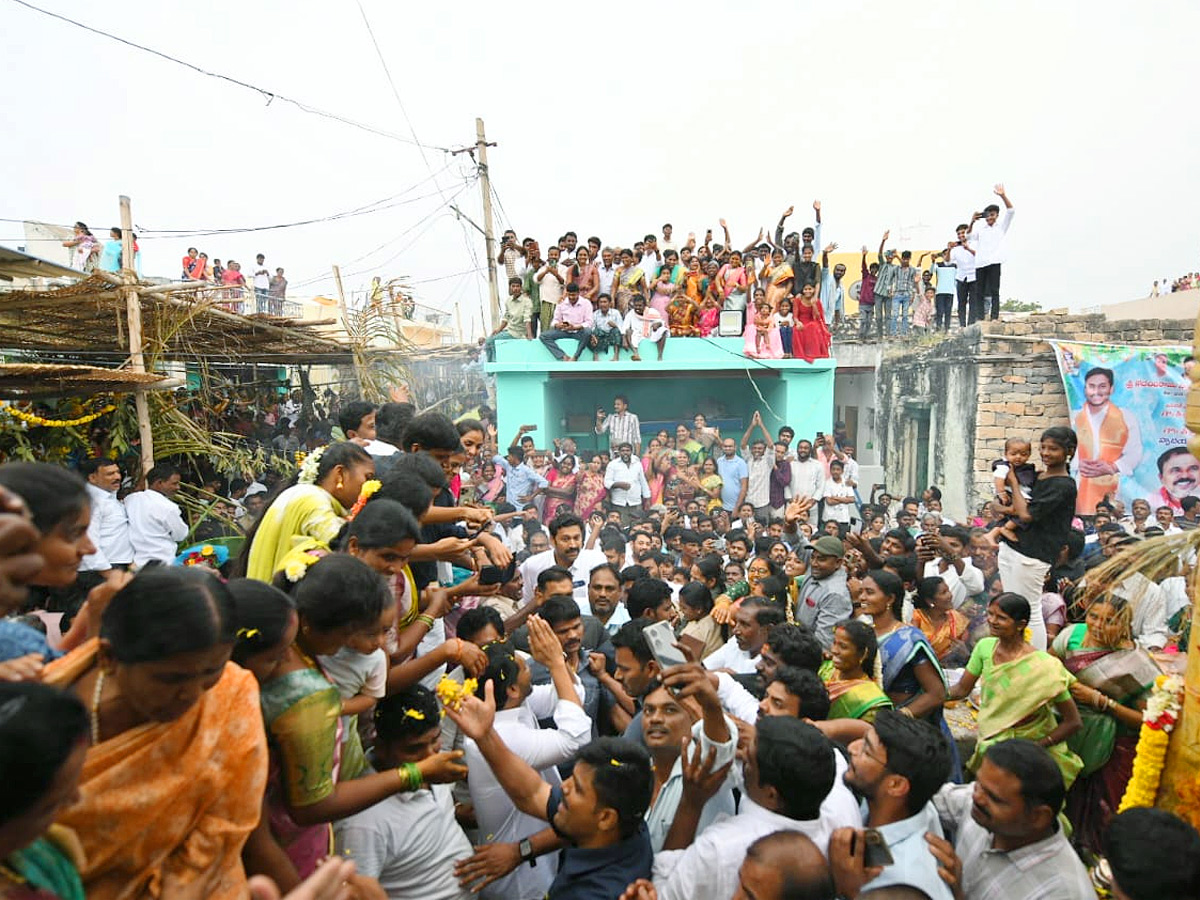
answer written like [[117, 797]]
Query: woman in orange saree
[[173, 781]]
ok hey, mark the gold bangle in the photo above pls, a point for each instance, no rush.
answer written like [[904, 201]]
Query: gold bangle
[[404, 778], [425, 620]]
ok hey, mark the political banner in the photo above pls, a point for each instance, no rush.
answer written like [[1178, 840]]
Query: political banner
[[1127, 407]]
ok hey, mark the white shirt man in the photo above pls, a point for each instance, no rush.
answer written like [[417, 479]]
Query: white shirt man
[[543, 749], [109, 528], [808, 479], [580, 569], [989, 239], [963, 584], [732, 657], [262, 278], [408, 842], [626, 471], [156, 524], [551, 289], [606, 272], [709, 867]]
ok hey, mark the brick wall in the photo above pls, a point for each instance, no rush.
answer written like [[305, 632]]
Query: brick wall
[[1017, 387]]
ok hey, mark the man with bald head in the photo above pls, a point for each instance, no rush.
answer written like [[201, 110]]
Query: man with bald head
[[782, 866]]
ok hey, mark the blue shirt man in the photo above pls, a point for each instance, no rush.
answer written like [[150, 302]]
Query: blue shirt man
[[735, 475], [520, 481]]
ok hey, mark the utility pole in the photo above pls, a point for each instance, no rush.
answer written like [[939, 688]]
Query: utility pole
[[133, 316], [489, 236]]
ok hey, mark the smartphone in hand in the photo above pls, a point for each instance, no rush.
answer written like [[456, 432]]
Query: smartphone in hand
[[661, 638]]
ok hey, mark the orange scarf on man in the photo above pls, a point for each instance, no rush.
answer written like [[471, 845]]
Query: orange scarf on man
[[1106, 447]]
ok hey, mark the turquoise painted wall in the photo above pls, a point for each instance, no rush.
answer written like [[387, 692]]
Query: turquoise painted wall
[[696, 375]]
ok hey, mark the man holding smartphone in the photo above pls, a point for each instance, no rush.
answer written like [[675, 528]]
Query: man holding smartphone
[[989, 231], [897, 766]]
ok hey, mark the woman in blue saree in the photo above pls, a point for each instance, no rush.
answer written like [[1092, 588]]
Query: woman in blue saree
[[911, 675]]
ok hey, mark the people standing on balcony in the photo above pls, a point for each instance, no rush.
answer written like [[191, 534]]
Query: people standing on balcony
[[905, 288], [84, 248], [110, 254], [833, 295], [262, 286], [989, 236], [277, 292], [962, 255], [885, 287], [551, 280], [233, 278]]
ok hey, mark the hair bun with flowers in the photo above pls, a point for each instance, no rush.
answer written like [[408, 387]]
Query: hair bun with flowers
[[296, 568], [308, 468]]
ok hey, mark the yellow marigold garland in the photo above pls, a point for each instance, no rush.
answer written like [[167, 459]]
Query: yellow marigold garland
[[42, 422], [1162, 712], [452, 694], [368, 490]]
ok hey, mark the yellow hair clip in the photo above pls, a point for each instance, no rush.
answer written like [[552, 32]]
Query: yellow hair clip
[[248, 633], [415, 714], [615, 762]]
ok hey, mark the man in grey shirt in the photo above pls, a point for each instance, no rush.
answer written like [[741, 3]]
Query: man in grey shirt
[[823, 599], [1006, 838]]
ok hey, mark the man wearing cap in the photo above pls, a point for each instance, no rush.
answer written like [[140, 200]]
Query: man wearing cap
[[823, 599], [571, 319]]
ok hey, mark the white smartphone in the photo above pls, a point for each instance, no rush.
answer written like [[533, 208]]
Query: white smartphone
[[661, 638]]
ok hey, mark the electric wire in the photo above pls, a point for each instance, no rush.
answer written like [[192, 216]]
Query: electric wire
[[268, 94]]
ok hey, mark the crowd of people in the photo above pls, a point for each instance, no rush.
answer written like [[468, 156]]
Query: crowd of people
[[1186, 282], [683, 665], [270, 290], [782, 297], [89, 253]]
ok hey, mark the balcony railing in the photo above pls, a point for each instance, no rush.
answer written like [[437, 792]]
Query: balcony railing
[[244, 301]]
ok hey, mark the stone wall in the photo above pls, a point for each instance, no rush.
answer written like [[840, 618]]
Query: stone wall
[[927, 392], [979, 387]]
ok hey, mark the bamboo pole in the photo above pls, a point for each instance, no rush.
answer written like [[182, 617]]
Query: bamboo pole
[[355, 340], [133, 314]]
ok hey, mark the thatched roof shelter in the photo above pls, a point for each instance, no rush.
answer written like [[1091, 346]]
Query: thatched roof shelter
[[179, 321]]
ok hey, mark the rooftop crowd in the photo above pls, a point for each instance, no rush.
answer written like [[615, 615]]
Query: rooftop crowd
[[690, 664], [270, 290], [782, 296]]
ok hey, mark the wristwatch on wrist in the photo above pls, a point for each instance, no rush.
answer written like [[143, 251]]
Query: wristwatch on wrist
[[525, 848]]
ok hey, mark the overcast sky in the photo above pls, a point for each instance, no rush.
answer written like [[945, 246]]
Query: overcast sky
[[611, 119]]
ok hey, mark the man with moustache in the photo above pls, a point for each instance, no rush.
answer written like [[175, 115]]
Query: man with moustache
[[1179, 475]]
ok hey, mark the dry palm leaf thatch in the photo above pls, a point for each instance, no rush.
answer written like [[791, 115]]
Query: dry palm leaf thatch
[[1155, 558], [380, 349]]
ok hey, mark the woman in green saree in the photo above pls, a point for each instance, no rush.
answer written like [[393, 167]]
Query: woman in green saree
[[1021, 689], [335, 597], [1115, 678], [853, 691]]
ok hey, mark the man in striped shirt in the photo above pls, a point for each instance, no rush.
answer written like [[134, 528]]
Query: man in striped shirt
[[622, 426]]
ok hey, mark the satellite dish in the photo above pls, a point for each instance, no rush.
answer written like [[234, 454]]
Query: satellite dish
[[854, 289]]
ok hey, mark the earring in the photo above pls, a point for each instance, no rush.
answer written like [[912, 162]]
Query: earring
[[340, 484]]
